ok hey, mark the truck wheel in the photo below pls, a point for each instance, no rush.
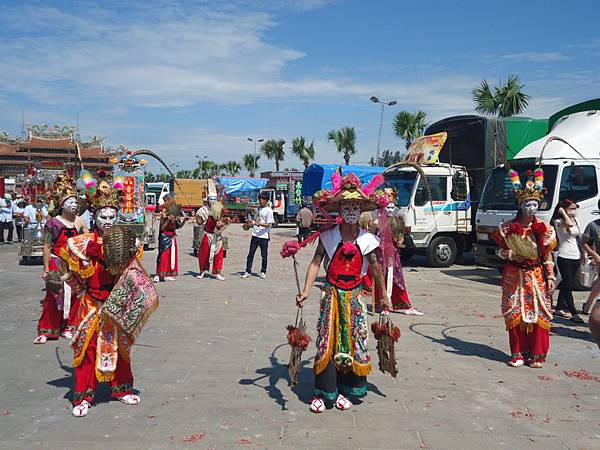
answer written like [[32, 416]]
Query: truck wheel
[[441, 252]]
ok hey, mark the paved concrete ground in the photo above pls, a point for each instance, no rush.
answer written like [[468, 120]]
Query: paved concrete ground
[[210, 367]]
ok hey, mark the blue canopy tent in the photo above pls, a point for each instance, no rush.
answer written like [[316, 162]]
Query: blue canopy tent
[[318, 176], [234, 186]]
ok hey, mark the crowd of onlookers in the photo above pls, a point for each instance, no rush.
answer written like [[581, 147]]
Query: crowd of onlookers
[[577, 254], [19, 213]]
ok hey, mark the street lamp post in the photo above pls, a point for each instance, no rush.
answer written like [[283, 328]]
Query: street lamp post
[[391, 103], [254, 159], [202, 165]]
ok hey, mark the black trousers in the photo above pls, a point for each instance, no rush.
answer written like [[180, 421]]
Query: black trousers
[[6, 226], [331, 382], [303, 233], [256, 242], [568, 271]]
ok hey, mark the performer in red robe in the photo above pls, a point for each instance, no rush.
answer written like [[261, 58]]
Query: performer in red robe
[[167, 261], [59, 308], [212, 245], [528, 277], [101, 348]]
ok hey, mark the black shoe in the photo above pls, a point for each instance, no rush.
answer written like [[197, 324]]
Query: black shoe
[[577, 319]]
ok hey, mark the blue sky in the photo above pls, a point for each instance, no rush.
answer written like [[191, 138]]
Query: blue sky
[[199, 77]]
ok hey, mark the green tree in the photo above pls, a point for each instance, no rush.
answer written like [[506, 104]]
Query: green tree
[[410, 126], [504, 100], [387, 158], [273, 149], [250, 163], [303, 152], [345, 141], [232, 168]]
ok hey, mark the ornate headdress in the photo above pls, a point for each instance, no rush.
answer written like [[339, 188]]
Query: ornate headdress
[[348, 188], [534, 186], [63, 188], [100, 194], [391, 194]]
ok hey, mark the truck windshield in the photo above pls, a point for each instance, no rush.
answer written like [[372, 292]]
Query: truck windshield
[[497, 193], [403, 182]]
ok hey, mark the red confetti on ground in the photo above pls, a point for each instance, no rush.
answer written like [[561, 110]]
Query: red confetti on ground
[[194, 437], [545, 377], [497, 316], [245, 441], [6, 412], [582, 375], [151, 417], [517, 413]]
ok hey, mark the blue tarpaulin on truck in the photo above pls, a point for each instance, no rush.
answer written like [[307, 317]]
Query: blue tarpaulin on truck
[[318, 176], [238, 185]]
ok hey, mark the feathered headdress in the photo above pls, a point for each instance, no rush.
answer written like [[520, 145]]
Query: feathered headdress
[[100, 194], [348, 188], [534, 186]]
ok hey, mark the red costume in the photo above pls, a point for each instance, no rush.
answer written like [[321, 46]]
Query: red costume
[[211, 245], [167, 259]]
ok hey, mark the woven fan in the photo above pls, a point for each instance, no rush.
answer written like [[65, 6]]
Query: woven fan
[[119, 248], [522, 246]]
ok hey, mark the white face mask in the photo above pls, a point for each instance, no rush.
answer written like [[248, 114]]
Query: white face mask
[[70, 205], [105, 218], [530, 207], [211, 199], [390, 209], [350, 212]]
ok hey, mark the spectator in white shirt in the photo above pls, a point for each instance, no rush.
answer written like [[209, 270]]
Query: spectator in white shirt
[[569, 256], [17, 207], [261, 234], [6, 218], [30, 213]]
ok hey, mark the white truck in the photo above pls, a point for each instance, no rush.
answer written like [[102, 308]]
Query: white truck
[[569, 172], [434, 201]]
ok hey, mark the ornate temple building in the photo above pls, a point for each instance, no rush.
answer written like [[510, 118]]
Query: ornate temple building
[[47, 150]]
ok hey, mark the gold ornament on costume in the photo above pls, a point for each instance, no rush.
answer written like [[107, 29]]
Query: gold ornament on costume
[[63, 188], [391, 194], [104, 197]]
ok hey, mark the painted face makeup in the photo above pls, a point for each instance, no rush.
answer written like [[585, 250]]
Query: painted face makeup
[[70, 205], [350, 212], [390, 209], [105, 218], [530, 207]]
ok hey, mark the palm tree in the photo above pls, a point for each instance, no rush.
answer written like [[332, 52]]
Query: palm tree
[[303, 152], [345, 141], [273, 149], [233, 168], [410, 126], [250, 163], [505, 100]]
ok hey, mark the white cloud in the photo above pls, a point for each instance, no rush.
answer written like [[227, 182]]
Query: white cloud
[[536, 57]]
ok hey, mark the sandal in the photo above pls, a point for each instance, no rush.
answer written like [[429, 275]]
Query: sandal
[[517, 362], [40, 339], [561, 313], [82, 409], [537, 365], [342, 403], [317, 405], [130, 399]]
